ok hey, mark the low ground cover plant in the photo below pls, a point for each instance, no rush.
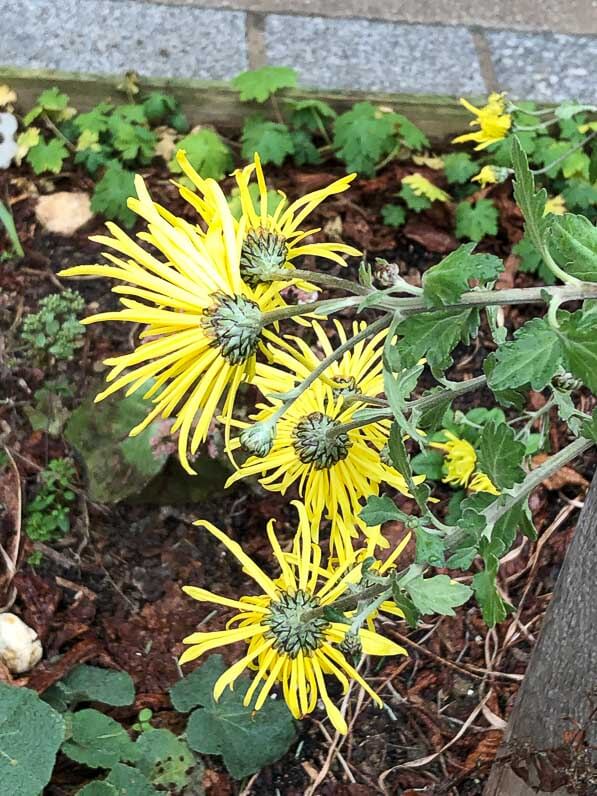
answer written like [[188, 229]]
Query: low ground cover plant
[[347, 416]]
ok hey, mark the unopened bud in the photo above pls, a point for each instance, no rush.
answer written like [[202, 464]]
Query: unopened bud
[[258, 439]]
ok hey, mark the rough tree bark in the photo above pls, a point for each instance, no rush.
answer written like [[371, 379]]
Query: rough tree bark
[[540, 753]]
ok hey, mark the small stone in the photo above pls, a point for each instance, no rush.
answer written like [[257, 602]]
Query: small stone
[[20, 648], [8, 145], [63, 213]]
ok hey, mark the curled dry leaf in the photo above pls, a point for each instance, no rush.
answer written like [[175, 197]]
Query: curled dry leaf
[[10, 529], [565, 476]]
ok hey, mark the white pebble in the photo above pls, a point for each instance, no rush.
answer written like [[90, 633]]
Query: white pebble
[[20, 648]]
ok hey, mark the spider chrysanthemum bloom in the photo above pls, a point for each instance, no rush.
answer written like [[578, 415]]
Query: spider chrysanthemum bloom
[[460, 462], [271, 241], [285, 645], [334, 472], [492, 120], [202, 320]]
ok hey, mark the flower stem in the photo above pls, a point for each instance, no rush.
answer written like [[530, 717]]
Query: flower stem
[[563, 157]]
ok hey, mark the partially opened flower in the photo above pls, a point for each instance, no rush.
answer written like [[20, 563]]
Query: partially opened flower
[[492, 120], [556, 205], [202, 321], [272, 239], [334, 469], [490, 175], [460, 462], [289, 640]]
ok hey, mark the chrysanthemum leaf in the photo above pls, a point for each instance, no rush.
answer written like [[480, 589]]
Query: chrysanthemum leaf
[[589, 427], [531, 358], [430, 548], [380, 509], [437, 595], [475, 221], [500, 455], [260, 84], [493, 607], [578, 337], [572, 242], [531, 202], [444, 283], [434, 335]]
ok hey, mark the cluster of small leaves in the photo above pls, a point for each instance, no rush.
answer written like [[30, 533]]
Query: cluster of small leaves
[[54, 333], [48, 514], [362, 137], [34, 729], [557, 352]]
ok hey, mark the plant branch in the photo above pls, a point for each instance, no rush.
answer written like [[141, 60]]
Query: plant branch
[[563, 157]]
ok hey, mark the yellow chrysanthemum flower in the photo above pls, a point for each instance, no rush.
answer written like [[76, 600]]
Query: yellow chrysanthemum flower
[[460, 462], [492, 120], [203, 322], [282, 646], [487, 176], [334, 473], [271, 241], [556, 205], [421, 186]]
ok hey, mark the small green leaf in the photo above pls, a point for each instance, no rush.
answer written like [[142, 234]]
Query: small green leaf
[[112, 192], [411, 135], [430, 548], [406, 605], [30, 735], [572, 242], [437, 595], [493, 607], [475, 221], [444, 283], [589, 427], [260, 84], [135, 142], [363, 136], [430, 463], [579, 342], [393, 215], [500, 455], [48, 156], [308, 114], [96, 120], [272, 141], [380, 509], [121, 781], [531, 261], [92, 684], [304, 150], [248, 740], [165, 760], [533, 357], [434, 335], [459, 167], [207, 154], [97, 740], [412, 200], [158, 107]]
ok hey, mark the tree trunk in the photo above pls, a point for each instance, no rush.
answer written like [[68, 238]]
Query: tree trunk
[[554, 721]]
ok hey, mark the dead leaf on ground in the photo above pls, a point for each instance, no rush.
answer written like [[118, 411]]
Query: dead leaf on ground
[[166, 143], [63, 213], [506, 278], [565, 476], [485, 751], [433, 238]]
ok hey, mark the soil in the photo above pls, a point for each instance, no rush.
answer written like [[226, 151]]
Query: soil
[[110, 592]]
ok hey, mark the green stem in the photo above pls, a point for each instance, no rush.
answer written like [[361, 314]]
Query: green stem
[[474, 298], [536, 477], [426, 402], [338, 353], [350, 601], [318, 278], [563, 157]]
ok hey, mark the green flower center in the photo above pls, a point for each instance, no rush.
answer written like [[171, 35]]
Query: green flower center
[[292, 635], [315, 446], [262, 255], [234, 322]]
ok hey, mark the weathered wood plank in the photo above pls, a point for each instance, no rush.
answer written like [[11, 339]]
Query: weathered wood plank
[[218, 104], [558, 691]]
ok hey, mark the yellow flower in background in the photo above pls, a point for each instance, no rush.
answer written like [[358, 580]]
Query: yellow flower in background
[[421, 186], [203, 322], [492, 120], [460, 462], [555, 205], [333, 472], [486, 176], [271, 241], [283, 646]]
